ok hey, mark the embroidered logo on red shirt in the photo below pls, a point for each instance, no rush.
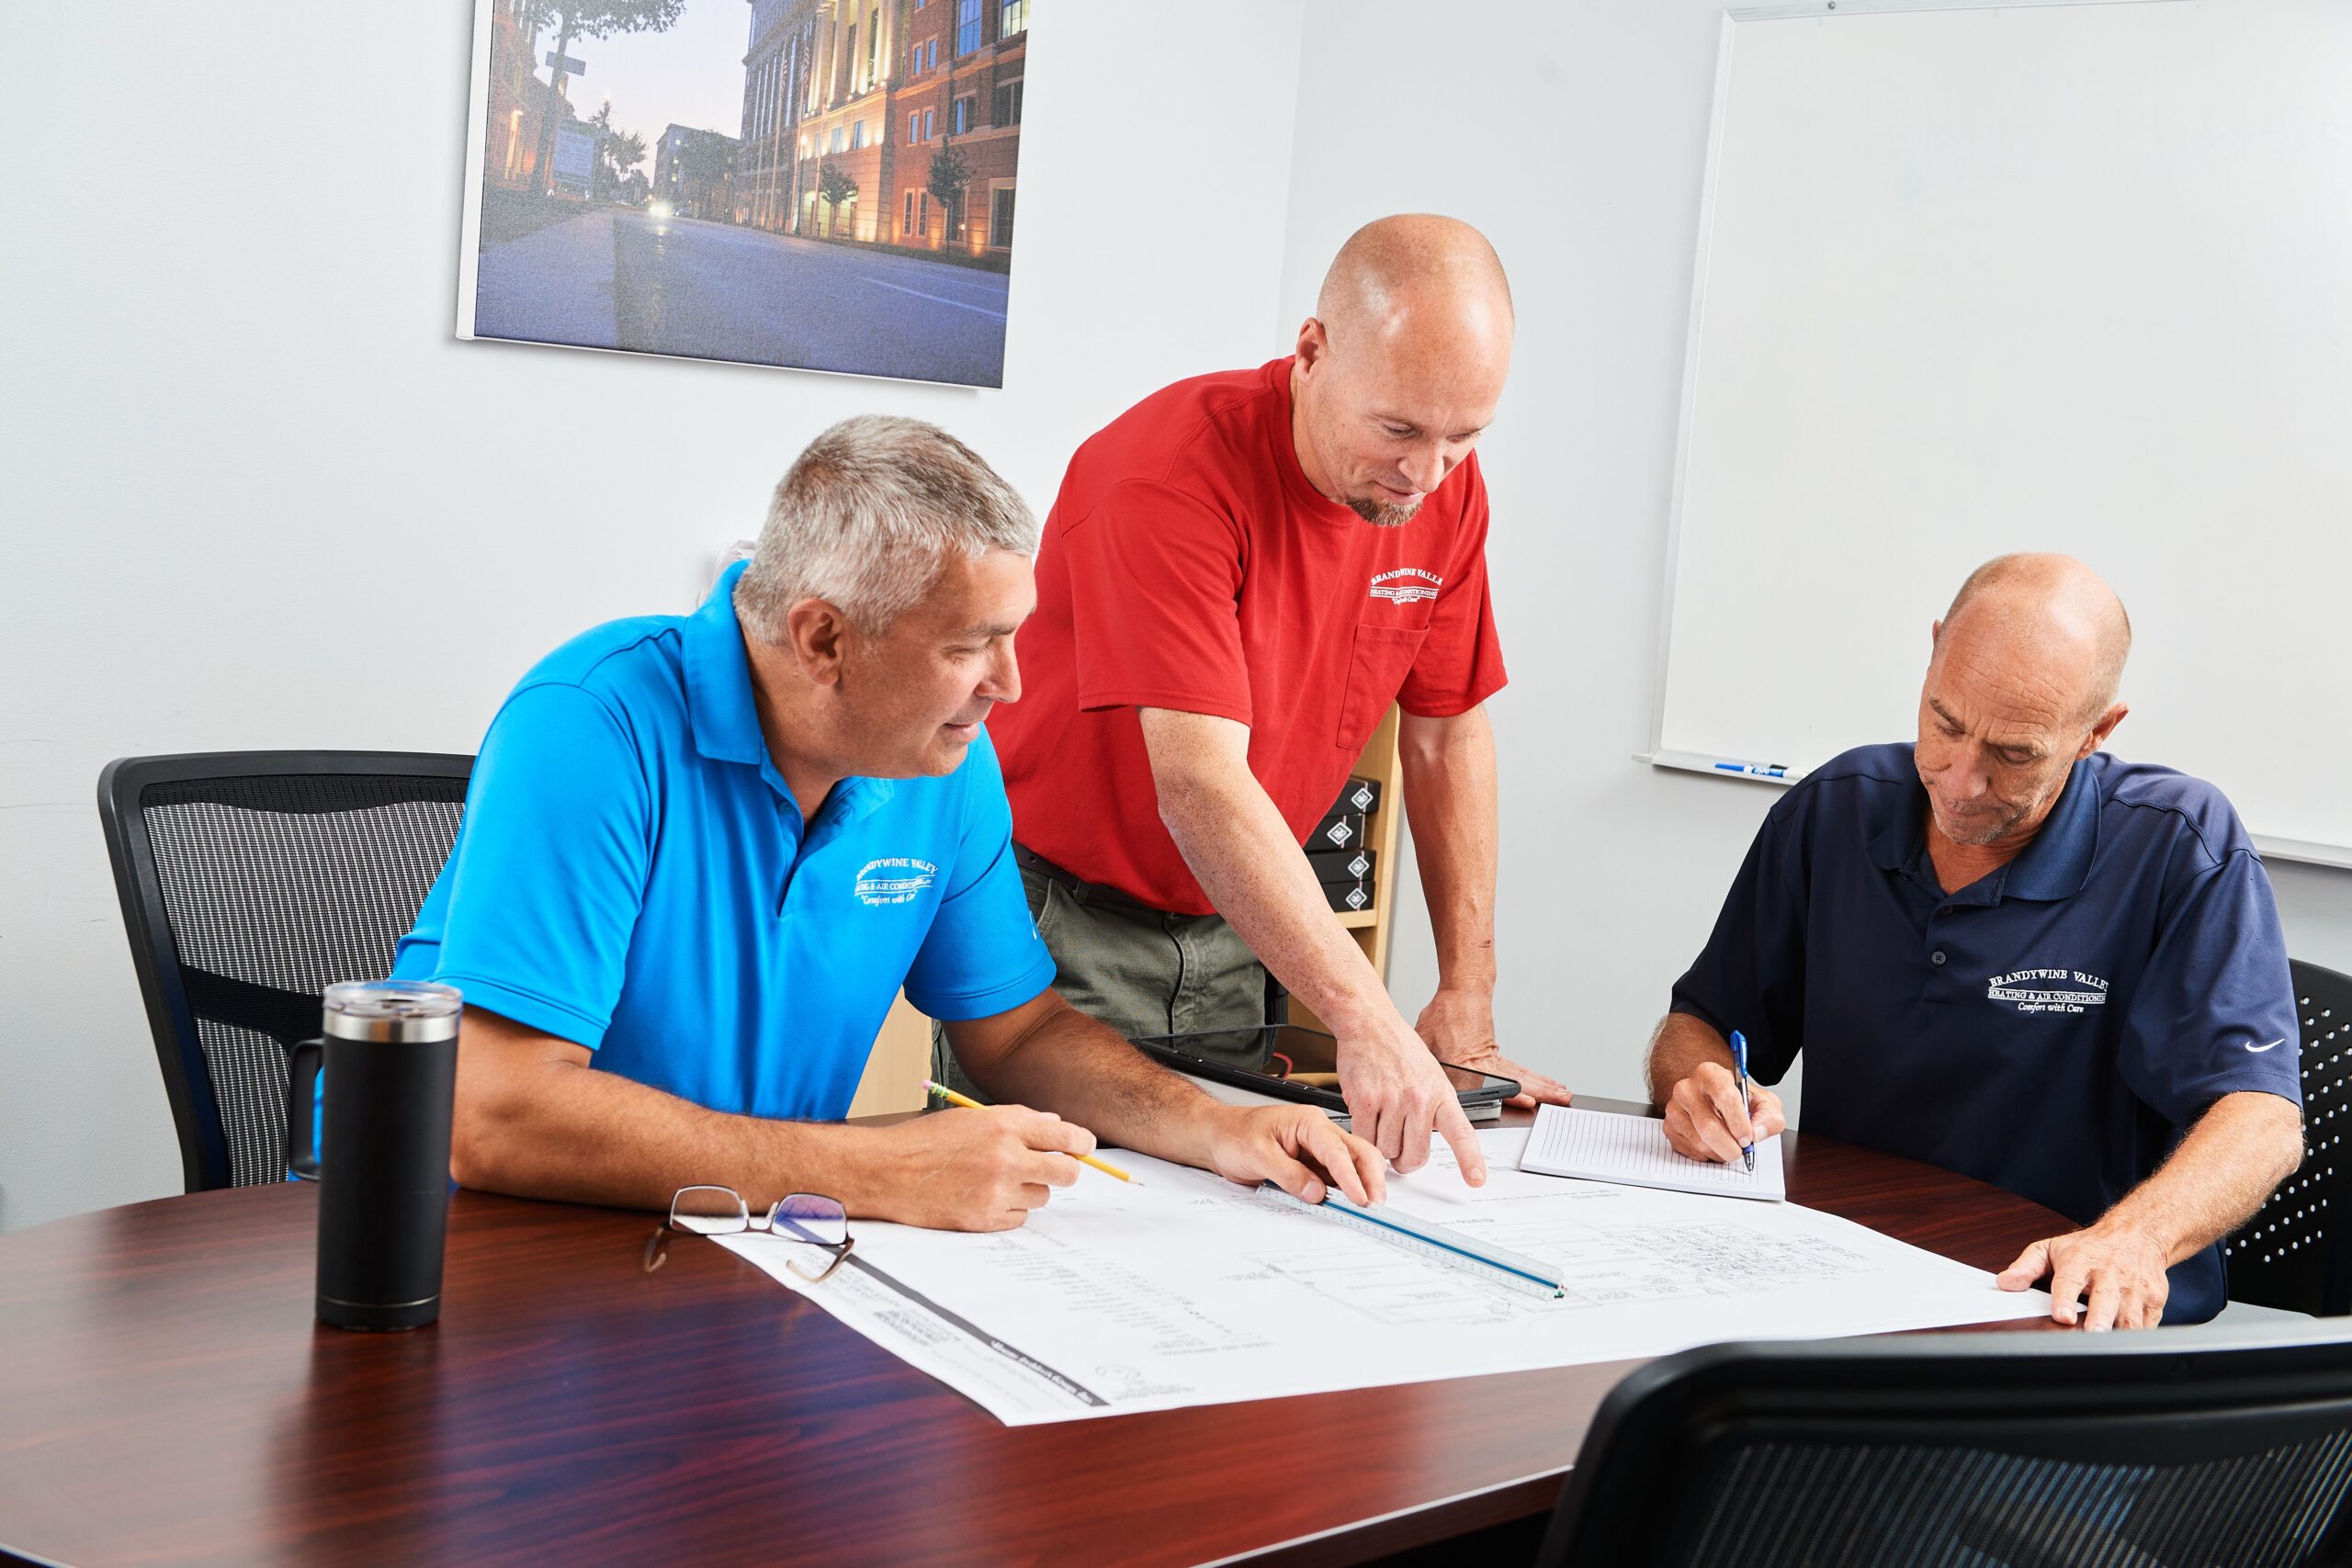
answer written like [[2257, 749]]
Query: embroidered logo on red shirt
[[1389, 586]]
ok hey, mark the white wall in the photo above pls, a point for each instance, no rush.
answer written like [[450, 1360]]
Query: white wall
[[1574, 136], [235, 419]]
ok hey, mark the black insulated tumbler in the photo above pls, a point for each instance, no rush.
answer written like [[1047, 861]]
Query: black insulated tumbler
[[389, 1055]]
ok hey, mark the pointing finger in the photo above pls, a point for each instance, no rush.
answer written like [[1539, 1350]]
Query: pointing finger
[[1454, 1127]]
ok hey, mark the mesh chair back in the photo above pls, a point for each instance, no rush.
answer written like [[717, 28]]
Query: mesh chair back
[[1968, 1452], [2291, 1255], [250, 882]]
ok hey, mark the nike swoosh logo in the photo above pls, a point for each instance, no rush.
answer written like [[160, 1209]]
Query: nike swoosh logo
[[2259, 1049]]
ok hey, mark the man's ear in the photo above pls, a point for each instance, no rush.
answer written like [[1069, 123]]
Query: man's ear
[[2097, 739], [1314, 342], [817, 636]]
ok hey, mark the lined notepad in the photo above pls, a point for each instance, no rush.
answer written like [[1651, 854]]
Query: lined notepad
[[1602, 1146]]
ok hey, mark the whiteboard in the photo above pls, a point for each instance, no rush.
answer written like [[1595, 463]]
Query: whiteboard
[[1974, 279]]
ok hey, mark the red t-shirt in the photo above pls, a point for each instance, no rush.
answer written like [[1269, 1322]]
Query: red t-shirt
[[1187, 564]]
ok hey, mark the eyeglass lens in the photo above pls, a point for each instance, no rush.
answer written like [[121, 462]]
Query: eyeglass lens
[[709, 1211], [805, 1217]]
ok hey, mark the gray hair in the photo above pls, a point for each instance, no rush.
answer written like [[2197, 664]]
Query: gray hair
[[866, 518]]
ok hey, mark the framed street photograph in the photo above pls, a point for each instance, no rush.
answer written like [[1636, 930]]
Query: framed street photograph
[[820, 184]]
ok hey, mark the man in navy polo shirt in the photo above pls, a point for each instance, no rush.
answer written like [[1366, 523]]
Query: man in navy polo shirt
[[700, 855], [2007, 953]]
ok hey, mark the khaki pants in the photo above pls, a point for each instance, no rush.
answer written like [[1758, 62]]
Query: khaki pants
[[1140, 970]]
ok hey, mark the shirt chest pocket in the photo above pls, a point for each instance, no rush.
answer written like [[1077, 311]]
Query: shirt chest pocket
[[1381, 658]]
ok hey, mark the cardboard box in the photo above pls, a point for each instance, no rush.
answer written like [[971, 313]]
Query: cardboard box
[[1343, 865], [1340, 830], [1362, 794]]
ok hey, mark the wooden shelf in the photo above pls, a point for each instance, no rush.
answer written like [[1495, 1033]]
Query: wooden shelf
[[1358, 919]]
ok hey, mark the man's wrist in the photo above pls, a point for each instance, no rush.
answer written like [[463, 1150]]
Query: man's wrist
[[2131, 1231], [1201, 1129], [860, 1173], [1355, 1017]]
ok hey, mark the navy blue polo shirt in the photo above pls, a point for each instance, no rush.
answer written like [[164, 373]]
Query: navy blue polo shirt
[[633, 875], [2054, 1027]]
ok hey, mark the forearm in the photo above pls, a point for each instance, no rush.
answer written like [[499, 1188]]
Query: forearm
[[1450, 796], [2240, 1150], [560, 1129], [594, 1137], [1246, 860], [1679, 1046], [1064, 1062]]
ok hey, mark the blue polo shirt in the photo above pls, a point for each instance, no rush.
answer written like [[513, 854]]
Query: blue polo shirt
[[2054, 1027], [632, 874]]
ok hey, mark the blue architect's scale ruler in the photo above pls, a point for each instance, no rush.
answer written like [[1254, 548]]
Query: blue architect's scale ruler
[[1432, 1241]]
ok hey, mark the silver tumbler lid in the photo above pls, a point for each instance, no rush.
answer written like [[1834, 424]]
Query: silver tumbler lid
[[415, 1011]]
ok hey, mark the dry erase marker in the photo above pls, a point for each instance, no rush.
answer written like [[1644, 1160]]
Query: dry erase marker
[[969, 1103], [1754, 770], [1739, 1057]]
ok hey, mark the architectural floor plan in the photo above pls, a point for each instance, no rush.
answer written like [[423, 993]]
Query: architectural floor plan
[[1188, 1290]]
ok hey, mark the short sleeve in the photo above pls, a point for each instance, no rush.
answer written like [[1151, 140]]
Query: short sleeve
[[1460, 663], [1750, 975], [533, 915], [982, 955], [2214, 1010], [1155, 603]]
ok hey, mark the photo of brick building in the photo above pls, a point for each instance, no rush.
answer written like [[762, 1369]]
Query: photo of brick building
[[890, 122], [863, 154]]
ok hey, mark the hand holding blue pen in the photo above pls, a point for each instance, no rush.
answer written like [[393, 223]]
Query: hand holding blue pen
[[1739, 1060]]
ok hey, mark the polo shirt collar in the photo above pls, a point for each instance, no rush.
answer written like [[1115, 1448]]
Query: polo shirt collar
[[2055, 866], [720, 709], [2058, 862], [726, 719]]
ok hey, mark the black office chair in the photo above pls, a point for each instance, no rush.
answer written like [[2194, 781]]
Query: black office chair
[[1988, 1450], [2286, 1256], [250, 882]]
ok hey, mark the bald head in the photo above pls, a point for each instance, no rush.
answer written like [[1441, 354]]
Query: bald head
[[1415, 270], [1400, 367], [2021, 686], [2049, 612]]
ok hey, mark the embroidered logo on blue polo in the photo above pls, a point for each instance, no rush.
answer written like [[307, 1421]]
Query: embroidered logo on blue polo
[[2258, 1050], [896, 879], [2048, 990]]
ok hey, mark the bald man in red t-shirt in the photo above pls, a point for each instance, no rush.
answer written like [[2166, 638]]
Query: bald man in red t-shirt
[[1239, 577]]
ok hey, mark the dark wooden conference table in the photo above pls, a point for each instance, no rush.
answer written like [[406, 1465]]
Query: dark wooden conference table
[[165, 1397]]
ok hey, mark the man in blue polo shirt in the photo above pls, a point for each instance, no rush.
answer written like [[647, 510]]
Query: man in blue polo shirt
[[700, 855], [2007, 953]]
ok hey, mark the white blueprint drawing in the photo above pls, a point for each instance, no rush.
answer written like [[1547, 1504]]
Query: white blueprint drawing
[[1188, 1290]]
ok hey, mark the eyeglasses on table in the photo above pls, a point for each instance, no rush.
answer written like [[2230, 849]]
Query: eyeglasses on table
[[807, 1218]]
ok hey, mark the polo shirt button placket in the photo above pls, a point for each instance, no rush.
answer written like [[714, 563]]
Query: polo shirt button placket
[[1937, 989]]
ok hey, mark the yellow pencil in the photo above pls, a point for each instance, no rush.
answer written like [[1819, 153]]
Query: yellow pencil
[[969, 1103]]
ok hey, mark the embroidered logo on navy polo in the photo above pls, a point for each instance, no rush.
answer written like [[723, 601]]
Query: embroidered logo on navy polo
[[1406, 584], [893, 880], [2048, 990]]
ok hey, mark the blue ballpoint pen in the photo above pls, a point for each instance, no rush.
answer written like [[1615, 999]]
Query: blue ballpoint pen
[[1739, 1057]]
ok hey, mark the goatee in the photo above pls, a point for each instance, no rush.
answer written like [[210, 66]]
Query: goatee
[[1382, 514]]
